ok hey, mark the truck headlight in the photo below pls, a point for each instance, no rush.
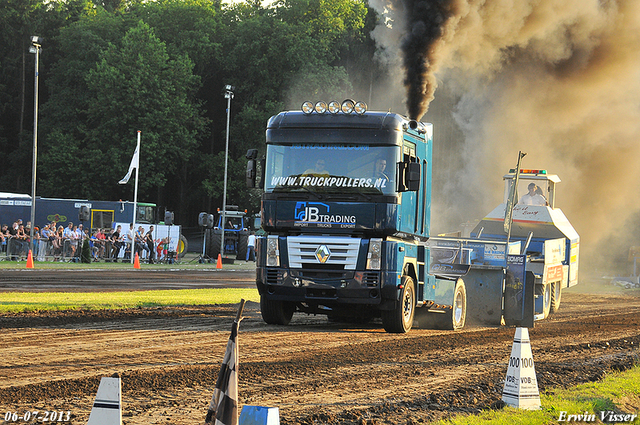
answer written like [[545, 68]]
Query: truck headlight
[[374, 256], [273, 253]]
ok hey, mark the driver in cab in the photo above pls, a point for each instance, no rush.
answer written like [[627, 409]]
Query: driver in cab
[[319, 169], [533, 197], [379, 169]]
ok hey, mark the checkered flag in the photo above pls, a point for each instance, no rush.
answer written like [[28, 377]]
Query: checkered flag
[[223, 409]]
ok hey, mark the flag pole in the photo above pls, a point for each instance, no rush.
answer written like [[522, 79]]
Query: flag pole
[[240, 309], [223, 408], [511, 202], [135, 200]]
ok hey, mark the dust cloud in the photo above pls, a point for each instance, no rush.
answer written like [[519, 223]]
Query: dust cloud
[[557, 80]]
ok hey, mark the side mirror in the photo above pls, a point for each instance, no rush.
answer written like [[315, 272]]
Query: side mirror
[[408, 176], [413, 177], [250, 175]]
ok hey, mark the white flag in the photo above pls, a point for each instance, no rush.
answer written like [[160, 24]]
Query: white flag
[[135, 162]]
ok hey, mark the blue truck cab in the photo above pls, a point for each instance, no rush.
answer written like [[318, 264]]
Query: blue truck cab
[[346, 220]]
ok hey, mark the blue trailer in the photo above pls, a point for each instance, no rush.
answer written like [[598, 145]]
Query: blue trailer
[[347, 211]]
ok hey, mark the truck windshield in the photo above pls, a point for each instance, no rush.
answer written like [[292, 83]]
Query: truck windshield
[[331, 168]]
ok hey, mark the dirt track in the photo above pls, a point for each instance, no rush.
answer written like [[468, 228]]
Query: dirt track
[[314, 371]]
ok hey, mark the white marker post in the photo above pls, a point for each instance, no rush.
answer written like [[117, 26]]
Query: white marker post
[[107, 408], [521, 386]]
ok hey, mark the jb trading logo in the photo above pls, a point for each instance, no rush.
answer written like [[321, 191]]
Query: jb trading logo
[[317, 212], [305, 212]]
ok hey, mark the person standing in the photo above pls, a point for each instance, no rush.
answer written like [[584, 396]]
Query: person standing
[[43, 242], [251, 247], [148, 237], [116, 243], [130, 240], [69, 241]]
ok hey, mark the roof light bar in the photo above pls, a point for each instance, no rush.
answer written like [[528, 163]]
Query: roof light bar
[[321, 107], [334, 107], [307, 107], [346, 107], [360, 108], [527, 171]]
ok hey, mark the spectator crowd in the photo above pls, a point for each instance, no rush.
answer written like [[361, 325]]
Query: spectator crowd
[[54, 242]]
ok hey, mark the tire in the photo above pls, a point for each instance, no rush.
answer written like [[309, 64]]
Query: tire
[[276, 312], [453, 319], [207, 243], [183, 246], [243, 245], [545, 292], [556, 296], [457, 318], [215, 244], [400, 319]]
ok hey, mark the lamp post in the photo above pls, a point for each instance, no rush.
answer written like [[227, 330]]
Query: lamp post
[[36, 47], [228, 94]]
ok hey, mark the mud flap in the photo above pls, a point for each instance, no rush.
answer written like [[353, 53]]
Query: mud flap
[[484, 286], [519, 296]]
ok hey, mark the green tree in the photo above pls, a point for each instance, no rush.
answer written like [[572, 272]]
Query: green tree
[[139, 87], [135, 85], [20, 20], [66, 158]]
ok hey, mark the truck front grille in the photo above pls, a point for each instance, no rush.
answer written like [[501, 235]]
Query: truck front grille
[[343, 251]]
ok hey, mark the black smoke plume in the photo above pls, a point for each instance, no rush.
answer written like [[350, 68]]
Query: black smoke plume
[[425, 26]]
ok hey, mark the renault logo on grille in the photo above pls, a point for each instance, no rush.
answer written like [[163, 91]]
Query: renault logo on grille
[[323, 253]]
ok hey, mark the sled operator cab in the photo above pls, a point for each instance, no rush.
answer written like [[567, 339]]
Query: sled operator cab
[[550, 242]]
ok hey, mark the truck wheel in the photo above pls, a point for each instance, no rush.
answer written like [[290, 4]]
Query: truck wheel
[[457, 317], [276, 312], [400, 319], [556, 295], [544, 291], [453, 319], [183, 246]]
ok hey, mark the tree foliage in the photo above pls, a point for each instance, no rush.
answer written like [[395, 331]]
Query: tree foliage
[[113, 67]]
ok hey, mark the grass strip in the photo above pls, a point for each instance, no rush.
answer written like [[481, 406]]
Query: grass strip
[[16, 302], [618, 392]]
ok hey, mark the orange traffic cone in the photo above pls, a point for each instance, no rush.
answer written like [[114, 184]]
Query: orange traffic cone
[[219, 263], [136, 262], [29, 260]]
